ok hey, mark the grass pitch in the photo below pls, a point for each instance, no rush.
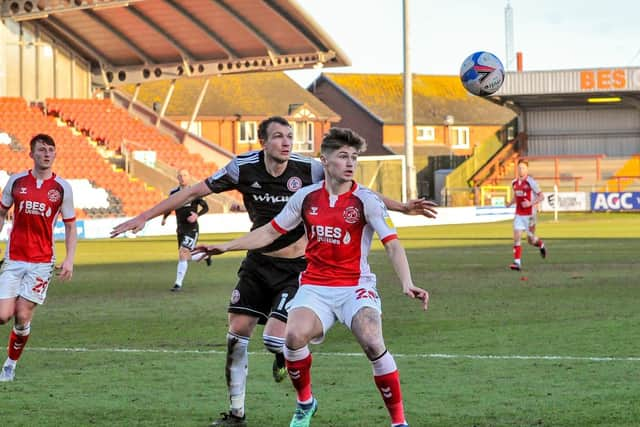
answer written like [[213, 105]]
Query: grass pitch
[[115, 347]]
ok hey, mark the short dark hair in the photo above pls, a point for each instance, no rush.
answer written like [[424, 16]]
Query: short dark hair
[[42, 137], [262, 128], [339, 137]]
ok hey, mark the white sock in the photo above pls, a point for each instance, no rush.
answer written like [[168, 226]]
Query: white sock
[[237, 371], [10, 362], [181, 272]]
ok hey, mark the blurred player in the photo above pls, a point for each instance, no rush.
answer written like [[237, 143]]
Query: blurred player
[[186, 228], [340, 218], [38, 196], [527, 195], [268, 276]]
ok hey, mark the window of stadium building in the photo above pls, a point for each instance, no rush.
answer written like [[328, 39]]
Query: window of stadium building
[[247, 132], [303, 137]]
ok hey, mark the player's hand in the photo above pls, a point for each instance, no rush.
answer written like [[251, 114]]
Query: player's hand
[[419, 293], [193, 217], [134, 224], [421, 206], [207, 250], [65, 270]]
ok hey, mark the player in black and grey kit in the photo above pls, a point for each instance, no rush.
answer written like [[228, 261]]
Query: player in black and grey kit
[[186, 228], [268, 277]]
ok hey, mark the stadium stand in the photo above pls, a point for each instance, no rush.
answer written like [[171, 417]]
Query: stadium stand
[[77, 159], [111, 126]]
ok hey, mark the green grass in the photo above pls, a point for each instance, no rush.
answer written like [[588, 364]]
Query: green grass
[[579, 305]]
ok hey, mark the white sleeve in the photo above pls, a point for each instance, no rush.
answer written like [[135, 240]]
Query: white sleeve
[[7, 197], [317, 171], [377, 216], [535, 188], [67, 209], [291, 215]]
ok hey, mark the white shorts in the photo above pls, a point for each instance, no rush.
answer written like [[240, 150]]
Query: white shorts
[[331, 303], [525, 223], [25, 279]]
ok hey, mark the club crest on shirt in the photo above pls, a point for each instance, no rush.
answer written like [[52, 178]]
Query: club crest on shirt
[[351, 215], [54, 195], [294, 184]]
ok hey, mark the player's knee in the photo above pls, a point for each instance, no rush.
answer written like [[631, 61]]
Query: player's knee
[[4, 319], [273, 344]]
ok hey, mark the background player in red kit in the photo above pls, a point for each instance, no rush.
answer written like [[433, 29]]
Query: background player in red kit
[[340, 218], [527, 195], [38, 196]]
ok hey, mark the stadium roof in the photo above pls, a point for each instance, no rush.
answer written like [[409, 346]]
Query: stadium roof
[[138, 41], [571, 88]]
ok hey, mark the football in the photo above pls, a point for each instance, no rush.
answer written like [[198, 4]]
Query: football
[[482, 73]]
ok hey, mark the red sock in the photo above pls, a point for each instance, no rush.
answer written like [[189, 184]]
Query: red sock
[[16, 344], [389, 386], [517, 252], [539, 243], [300, 374]]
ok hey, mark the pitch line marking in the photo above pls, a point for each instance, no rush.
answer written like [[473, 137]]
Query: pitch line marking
[[320, 353]]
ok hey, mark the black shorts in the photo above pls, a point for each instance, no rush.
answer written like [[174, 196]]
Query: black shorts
[[187, 238], [265, 285]]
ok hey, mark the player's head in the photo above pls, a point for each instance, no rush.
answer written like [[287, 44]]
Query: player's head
[[523, 167], [339, 137], [41, 138], [263, 127], [339, 153], [183, 177], [276, 137], [43, 151]]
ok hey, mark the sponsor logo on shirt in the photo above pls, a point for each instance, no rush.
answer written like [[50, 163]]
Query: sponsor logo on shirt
[[330, 234], [34, 208], [256, 184], [266, 197], [23, 190]]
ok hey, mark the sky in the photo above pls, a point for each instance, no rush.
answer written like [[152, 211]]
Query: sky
[[551, 34]]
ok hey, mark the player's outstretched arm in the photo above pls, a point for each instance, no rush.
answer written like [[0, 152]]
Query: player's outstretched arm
[[255, 239], [171, 203], [398, 258], [419, 206]]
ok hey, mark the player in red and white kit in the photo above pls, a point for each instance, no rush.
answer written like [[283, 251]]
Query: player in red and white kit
[[527, 195], [37, 196], [340, 218]]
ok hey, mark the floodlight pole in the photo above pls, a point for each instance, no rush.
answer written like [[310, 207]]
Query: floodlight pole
[[410, 171]]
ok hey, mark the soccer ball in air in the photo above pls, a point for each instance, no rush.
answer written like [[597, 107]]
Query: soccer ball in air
[[482, 73]]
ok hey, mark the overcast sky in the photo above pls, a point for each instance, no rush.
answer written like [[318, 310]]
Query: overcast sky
[[551, 34]]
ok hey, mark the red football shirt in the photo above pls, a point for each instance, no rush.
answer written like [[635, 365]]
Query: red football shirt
[[525, 189], [37, 204], [339, 231]]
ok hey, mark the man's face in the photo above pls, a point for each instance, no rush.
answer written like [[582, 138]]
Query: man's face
[[523, 170], [279, 142], [183, 178], [43, 155], [341, 164]]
